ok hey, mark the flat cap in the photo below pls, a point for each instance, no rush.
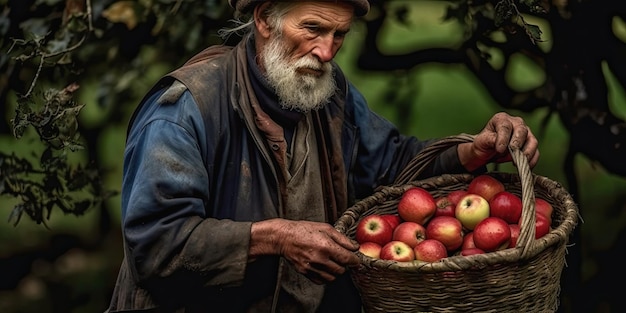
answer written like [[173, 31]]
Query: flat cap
[[361, 7]]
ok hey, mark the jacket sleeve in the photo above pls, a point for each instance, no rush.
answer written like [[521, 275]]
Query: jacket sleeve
[[169, 238], [382, 151]]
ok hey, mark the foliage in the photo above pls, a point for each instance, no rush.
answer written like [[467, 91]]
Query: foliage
[[57, 45], [55, 183]]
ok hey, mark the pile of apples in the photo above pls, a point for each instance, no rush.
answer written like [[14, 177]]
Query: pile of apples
[[484, 217]]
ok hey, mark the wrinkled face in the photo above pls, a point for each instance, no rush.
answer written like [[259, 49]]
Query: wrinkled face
[[298, 49]]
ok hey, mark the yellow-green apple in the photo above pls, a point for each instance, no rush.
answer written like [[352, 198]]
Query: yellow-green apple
[[393, 219], [507, 206], [455, 195], [515, 230], [397, 251], [471, 251], [544, 208], [468, 241], [471, 209], [485, 186], [373, 228], [416, 205], [371, 249], [446, 229], [410, 233], [430, 250], [444, 207], [492, 234]]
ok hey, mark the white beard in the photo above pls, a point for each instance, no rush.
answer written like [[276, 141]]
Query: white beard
[[297, 91]]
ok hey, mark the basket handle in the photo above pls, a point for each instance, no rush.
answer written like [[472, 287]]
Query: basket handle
[[427, 155], [527, 227]]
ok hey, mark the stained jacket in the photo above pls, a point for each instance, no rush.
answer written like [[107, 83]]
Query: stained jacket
[[199, 169]]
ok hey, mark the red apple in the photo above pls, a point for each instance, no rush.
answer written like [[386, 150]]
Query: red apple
[[373, 228], [442, 201], [506, 206], [410, 233], [445, 207], [471, 209], [468, 241], [371, 249], [544, 208], [430, 250], [492, 234], [393, 219], [456, 195], [446, 229], [471, 251], [416, 205], [542, 225], [397, 251], [485, 186], [515, 230]]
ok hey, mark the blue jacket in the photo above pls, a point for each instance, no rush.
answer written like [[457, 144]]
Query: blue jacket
[[198, 172]]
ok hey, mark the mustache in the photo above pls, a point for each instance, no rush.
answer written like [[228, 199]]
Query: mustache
[[311, 63]]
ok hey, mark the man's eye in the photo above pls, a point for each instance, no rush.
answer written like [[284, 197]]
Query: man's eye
[[312, 28]]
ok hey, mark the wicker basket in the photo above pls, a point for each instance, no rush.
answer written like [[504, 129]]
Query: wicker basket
[[521, 279]]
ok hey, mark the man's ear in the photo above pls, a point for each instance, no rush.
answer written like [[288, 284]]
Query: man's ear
[[260, 20]]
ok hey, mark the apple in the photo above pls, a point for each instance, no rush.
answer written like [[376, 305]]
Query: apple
[[393, 219], [445, 207], [455, 196], [468, 241], [485, 186], [410, 233], [430, 250], [446, 229], [542, 225], [442, 201], [506, 206], [471, 251], [373, 228], [515, 230], [492, 234], [544, 208], [371, 249], [416, 205], [448, 210], [471, 209], [397, 251]]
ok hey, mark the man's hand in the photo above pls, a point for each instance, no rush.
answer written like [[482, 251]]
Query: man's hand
[[491, 144], [317, 250]]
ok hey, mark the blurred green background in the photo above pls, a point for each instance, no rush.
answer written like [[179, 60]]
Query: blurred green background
[[68, 267]]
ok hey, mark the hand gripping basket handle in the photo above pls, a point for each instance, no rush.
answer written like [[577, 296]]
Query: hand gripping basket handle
[[527, 228]]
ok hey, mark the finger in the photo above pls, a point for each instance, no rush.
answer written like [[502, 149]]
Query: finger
[[504, 136], [318, 274], [521, 134], [343, 240], [534, 159]]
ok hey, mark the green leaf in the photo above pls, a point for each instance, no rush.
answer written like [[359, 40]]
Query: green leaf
[[534, 32]]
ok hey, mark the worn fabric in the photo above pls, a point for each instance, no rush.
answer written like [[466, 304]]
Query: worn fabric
[[200, 168]]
